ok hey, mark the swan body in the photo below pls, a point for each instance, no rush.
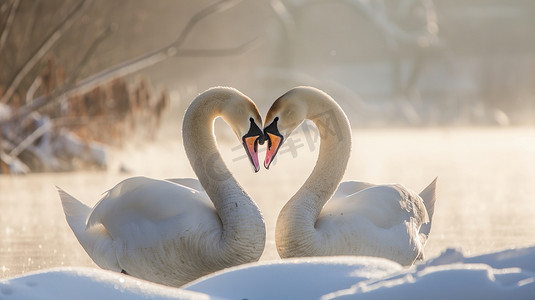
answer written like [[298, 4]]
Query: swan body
[[174, 231], [326, 217]]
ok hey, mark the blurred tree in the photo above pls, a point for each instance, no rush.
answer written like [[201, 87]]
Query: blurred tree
[[33, 80]]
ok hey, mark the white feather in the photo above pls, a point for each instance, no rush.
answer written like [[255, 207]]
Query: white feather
[[326, 217], [170, 231]]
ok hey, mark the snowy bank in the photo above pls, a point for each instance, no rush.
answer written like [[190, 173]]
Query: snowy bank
[[300, 278], [508, 274], [86, 283], [502, 275]]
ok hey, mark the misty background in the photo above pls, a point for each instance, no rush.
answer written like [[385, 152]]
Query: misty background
[[388, 63]]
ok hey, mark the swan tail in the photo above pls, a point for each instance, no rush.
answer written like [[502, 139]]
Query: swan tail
[[96, 241], [428, 195], [75, 211], [421, 255]]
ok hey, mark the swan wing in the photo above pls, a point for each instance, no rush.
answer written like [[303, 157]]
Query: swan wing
[[382, 220], [192, 183], [384, 205], [347, 188], [137, 208]]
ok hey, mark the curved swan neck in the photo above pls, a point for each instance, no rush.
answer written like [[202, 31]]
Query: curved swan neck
[[335, 149], [240, 217], [297, 218], [201, 147], [295, 233]]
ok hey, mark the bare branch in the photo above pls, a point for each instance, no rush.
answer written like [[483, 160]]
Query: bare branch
[[217, 7], [140, 62], [392, 31], [44, 48], [90, 51], [107, 75], [9, 23], [33, 88], [285, 17], [219, 52], [37, 133], [154, 57], [85, 120]]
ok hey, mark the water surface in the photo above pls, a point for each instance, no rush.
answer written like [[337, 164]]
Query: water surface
[[485, 200]]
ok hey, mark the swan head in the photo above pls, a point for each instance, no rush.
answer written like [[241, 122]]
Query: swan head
[[284, 115], [243, 117]]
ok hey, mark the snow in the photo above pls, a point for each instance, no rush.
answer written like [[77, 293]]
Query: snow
[[508, 274], [500, 275], [86, 283], [303, 278]]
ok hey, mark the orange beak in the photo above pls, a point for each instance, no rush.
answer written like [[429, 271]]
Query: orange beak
[[251, 147], [274, 143]]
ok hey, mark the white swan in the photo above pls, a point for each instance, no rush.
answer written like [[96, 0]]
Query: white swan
[[174, 231], [360, 218]]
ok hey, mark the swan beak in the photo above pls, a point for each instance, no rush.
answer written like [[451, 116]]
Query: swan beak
[[274, 143], [250, 143], [251, 147]]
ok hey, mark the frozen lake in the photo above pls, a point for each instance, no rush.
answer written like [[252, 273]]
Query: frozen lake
[[485, 188]]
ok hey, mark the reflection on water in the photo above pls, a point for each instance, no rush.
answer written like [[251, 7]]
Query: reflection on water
[[485, 189]]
